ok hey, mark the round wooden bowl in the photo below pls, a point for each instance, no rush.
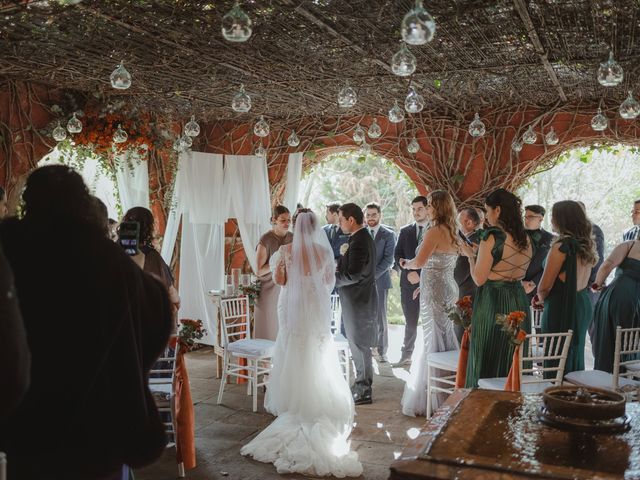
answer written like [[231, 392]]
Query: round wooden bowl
[[586, 403]]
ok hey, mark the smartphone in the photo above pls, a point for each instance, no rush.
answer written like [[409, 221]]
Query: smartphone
[[129, 236], [464, 238]]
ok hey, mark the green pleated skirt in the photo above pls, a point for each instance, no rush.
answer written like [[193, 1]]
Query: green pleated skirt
[[491, 352]]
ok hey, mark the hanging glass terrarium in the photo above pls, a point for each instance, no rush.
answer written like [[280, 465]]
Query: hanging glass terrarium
[[516, 145], [414, 102], [418, 26], [293, 140], [630, 108], [551, 138], [396, 114], [358, 134], [241, 102], [610, 73], [476, 127], [599, 122], [403, 63], [413, 146], [120, 136], [374, 130], [192, 129], [74, 125], [59, 133], [120, 77], [261, 128], [347, 97], [529, 136], [236, 25]]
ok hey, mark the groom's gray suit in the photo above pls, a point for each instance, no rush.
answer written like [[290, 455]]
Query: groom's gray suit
[[356, 284]]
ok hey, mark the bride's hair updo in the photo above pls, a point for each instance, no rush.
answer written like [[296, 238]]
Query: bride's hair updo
[[312, 218]]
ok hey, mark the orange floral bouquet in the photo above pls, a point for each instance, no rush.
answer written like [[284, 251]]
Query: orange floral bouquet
[[189, 332], [460, 312], [511, 325]]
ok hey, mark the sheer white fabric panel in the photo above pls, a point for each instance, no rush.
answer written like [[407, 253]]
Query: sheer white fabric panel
[[247, 187], [174, 215], [294, 176], [133, 184]]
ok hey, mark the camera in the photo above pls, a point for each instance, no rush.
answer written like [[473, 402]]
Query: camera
[[129, 237]]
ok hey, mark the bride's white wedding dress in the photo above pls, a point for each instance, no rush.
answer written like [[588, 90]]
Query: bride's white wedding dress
[[306, 390]]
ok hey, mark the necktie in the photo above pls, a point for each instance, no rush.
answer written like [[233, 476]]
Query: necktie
[[420, 231], [333, 231], [371, 231]]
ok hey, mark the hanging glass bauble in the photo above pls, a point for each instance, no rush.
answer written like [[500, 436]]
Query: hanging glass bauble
[[374, 130], [261, 152], [347, 97], [177, 145], [396, 114], [418, 26], [120, 136], [236, 25], [241, 102], [476, 127], [551, 138], [529, 136], [293, 140], [413, 146], [358, 134], [186, 141], [120, 77], [599, 122], [630, 108], [192, 129], [74, 125], [414, 102], [261, 128], [59, 133], [516, 145], [365, 148], [610, 72], [403, 63]]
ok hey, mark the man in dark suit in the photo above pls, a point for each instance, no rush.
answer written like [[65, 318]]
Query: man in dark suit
[[634, 232], [469, 221], [336, 236], [385, 241], [533, 216], [408, 240], [356, 284]]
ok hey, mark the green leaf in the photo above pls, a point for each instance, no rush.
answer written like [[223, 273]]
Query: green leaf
[[437, 84], [458, 178], [331, 134], [311, 155]]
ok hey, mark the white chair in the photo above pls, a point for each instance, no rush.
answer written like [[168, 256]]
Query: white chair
[[541, 348], [536, 319], [447, 361], [627, 343], [341, 342], [238, 344], [161, 384]]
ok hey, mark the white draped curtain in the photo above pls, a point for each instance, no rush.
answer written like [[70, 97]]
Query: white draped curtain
[[294, 178], [132, 179]]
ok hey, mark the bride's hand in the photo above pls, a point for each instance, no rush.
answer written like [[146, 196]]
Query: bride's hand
[[468, 251]]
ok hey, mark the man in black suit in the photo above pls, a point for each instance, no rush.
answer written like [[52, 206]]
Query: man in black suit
[[385, 241], [634, 232], [356, 284], [336, 236], [469, 221], [533, 216], [410, 237]]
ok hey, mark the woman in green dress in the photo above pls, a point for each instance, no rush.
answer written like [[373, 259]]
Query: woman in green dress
[[502, 259], [619, 304], [563, 286]]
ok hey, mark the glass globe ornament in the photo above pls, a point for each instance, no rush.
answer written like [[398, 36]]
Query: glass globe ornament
[[365, 148], [599, 122], [261, 128], [236, 25], [261, 152], [374, 130], [403, 63], [241, 102], [418, 27], [120, 136], [74, 125], [293, 140], [59, 133], [358, 134], [413, 146], [186, 141], [414, 103], [516, 145], [179, 146], [630, 108], [347, 97], [551, 138], [396, 114], [529, 136], [610, 73], [192, 129], [476, 127], [120, 77]]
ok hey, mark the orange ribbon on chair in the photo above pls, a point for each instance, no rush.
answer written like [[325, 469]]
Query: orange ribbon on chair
[[461, 373], [513, 379], [185, 420]]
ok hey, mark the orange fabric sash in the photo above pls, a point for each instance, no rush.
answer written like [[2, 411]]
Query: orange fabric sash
[[185, 420], [461, 374], [513, 379]]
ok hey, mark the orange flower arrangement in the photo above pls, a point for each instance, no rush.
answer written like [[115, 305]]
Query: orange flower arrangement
[[511, 324], [189, 332], [460, 312]]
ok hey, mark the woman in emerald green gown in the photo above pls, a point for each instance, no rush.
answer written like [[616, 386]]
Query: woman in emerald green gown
[[619, 304], [502, 259], [563, 286]]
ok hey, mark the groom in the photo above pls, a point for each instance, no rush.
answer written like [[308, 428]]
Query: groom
[[356, 284]]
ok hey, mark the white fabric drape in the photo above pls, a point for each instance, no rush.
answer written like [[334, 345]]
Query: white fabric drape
[[247, 186], [294, 177], [132, 179]]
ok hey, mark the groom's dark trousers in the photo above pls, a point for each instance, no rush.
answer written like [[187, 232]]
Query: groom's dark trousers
[[356, 284]]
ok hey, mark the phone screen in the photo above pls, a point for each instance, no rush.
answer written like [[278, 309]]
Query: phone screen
[[128, 237]]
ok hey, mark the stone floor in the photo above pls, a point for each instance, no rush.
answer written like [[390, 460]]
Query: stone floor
[[378, 436]]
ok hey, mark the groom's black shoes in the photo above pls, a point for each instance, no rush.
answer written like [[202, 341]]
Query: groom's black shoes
[[362, 398]]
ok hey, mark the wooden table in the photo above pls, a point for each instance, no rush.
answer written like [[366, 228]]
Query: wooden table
[[482, 434]]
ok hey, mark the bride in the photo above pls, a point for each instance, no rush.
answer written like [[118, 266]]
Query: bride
[[306, 390]]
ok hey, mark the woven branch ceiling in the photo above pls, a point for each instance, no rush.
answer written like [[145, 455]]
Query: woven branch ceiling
[[485, 54]]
